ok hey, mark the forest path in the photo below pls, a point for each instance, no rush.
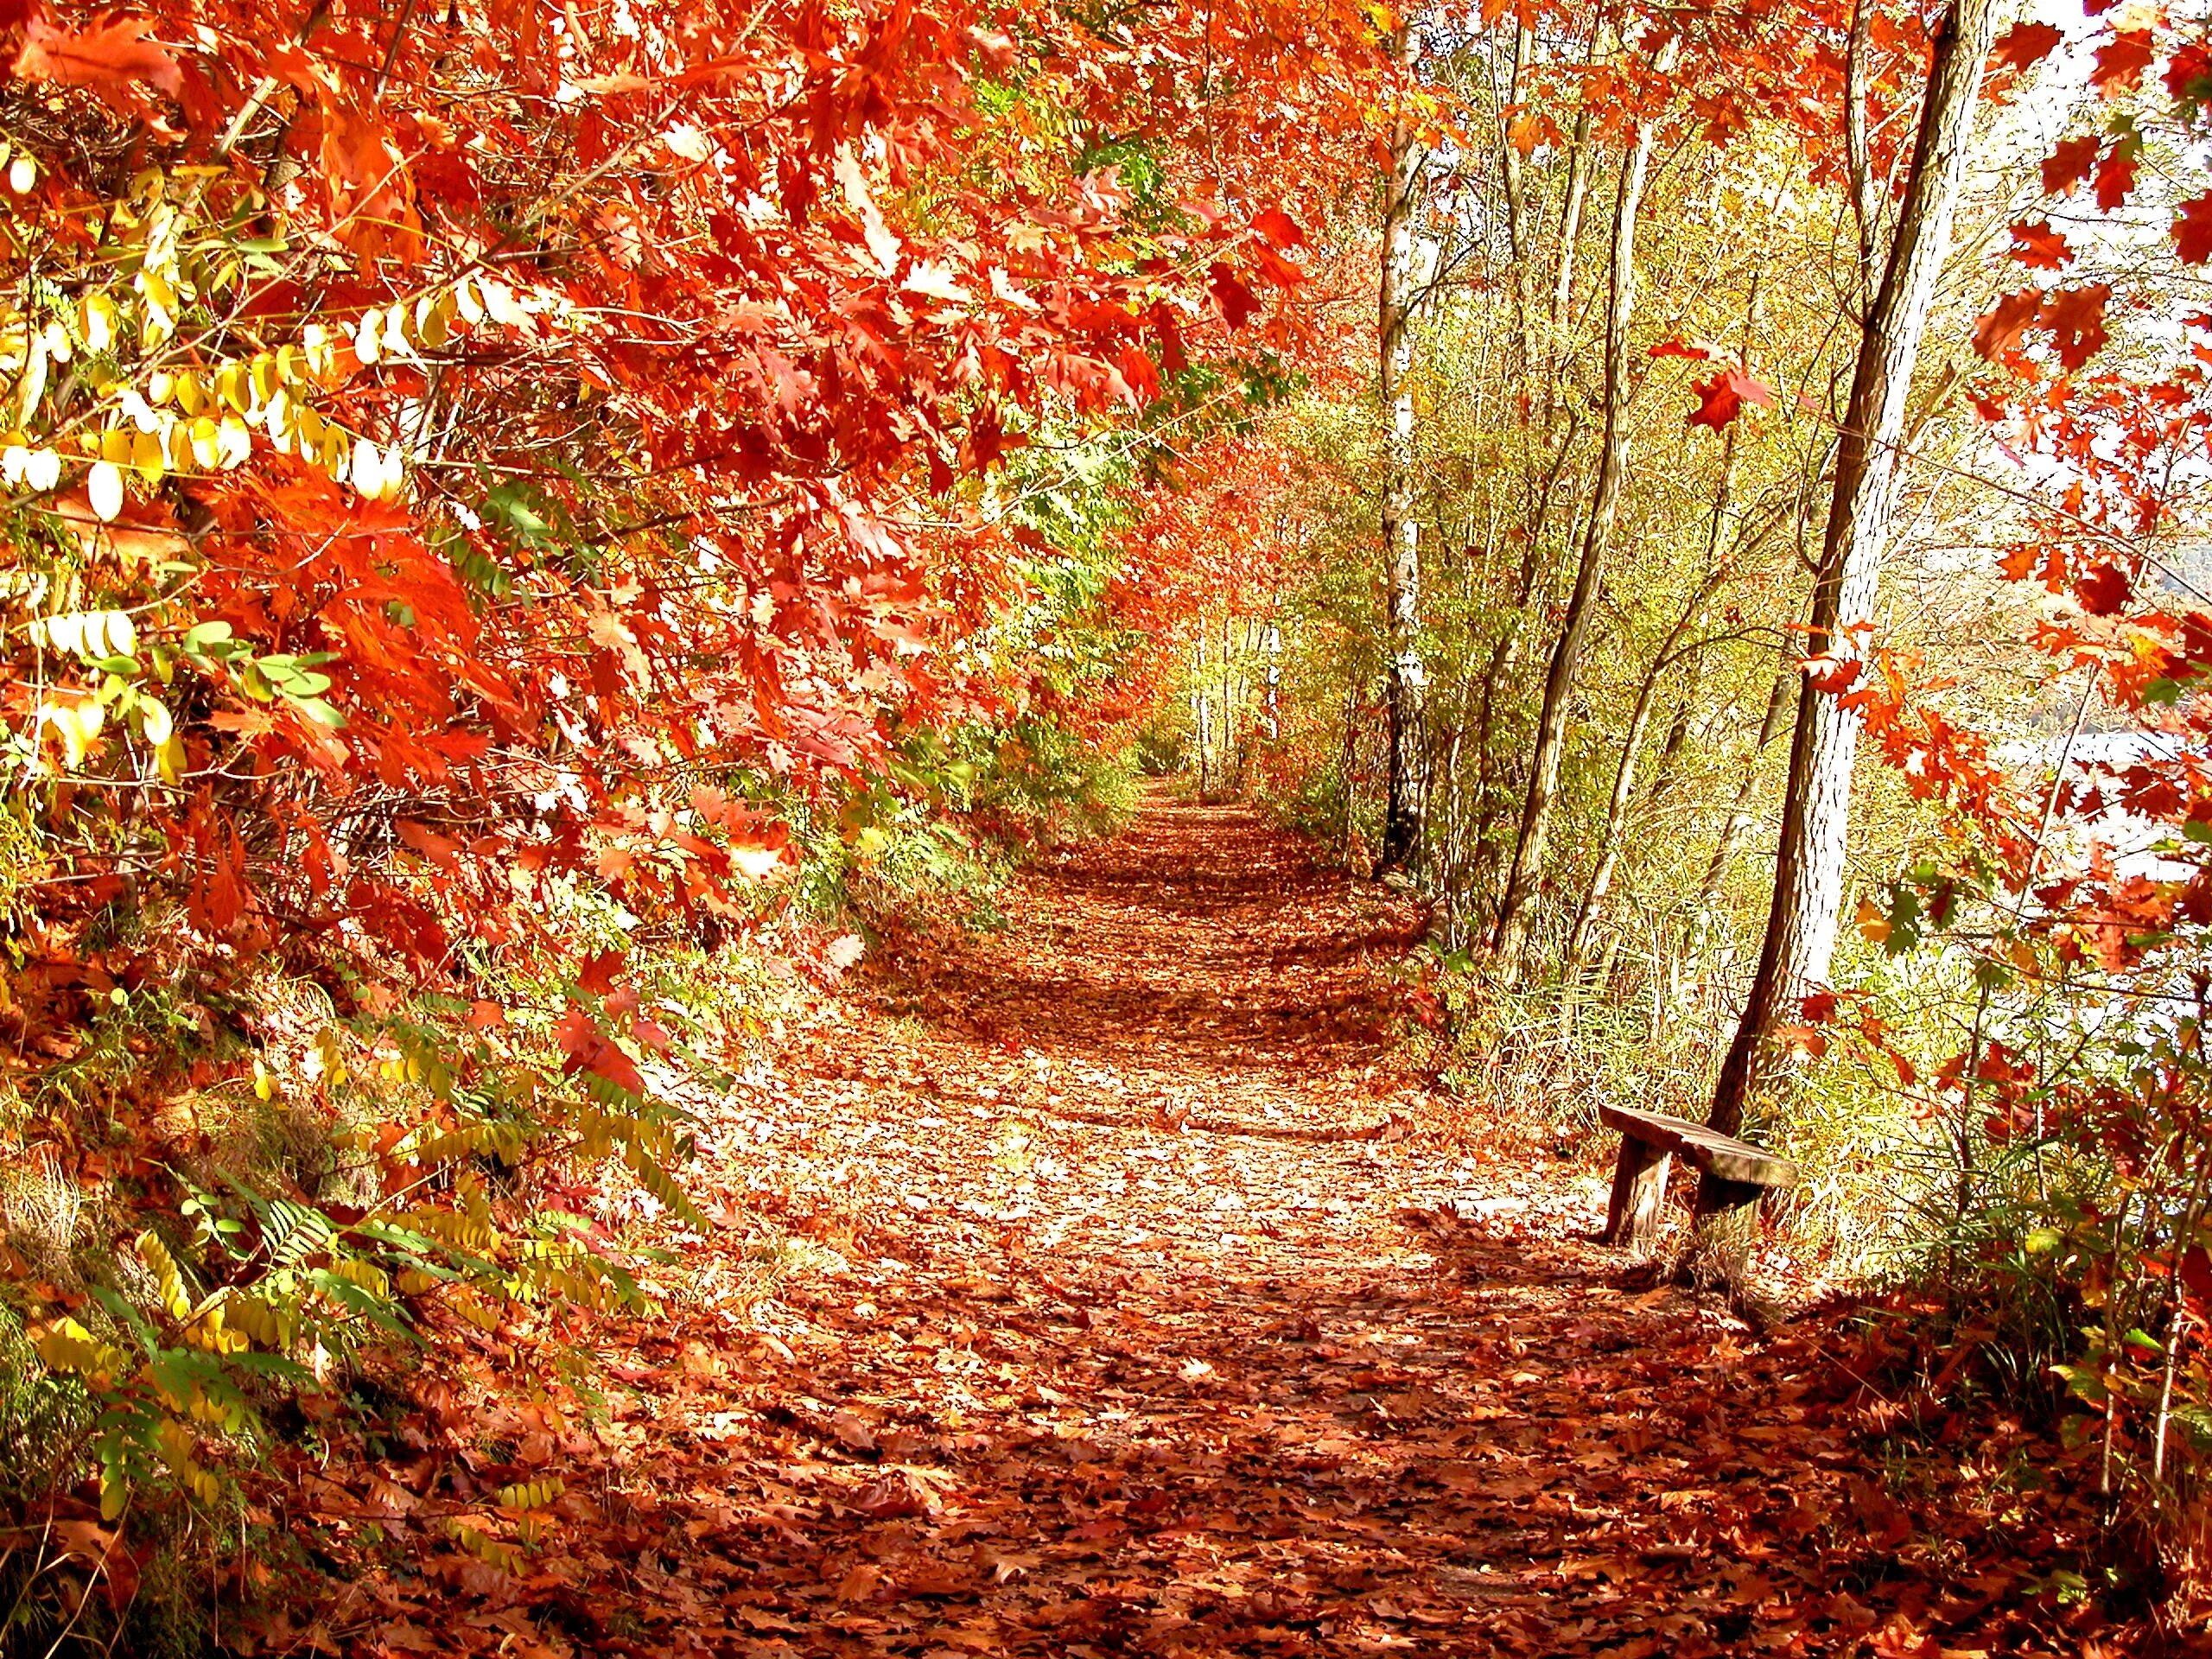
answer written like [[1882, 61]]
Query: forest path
[[1133, 1301]]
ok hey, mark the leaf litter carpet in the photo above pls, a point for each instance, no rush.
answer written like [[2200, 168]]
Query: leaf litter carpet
[[1123, 1295]]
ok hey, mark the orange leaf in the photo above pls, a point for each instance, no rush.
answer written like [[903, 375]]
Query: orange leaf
[[2025, 44], [116, 53], [2068, 165], [2075, 317], [2193, 229], [2036, 244]]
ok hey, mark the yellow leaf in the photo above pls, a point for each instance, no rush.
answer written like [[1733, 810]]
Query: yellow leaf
[[168, 1278], [530, 1494], [101, 318], [234, 440], [469, 1533], [367, 472]]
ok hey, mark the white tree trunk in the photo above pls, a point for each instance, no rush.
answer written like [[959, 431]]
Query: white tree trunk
[[1808, 906]]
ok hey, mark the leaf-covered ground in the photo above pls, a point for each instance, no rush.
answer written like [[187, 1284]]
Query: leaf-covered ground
[[1126, 1295]]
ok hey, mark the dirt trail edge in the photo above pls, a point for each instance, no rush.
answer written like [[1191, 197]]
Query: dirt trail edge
[[1127, 1301]]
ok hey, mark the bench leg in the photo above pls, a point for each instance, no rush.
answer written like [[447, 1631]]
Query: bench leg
[[1721, 1236], [1639, 1189]]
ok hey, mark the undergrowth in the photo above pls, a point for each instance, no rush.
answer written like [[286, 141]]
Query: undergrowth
[[1991, 1264]]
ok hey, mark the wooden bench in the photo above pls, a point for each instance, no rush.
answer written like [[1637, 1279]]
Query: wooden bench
[[1735, 1175]]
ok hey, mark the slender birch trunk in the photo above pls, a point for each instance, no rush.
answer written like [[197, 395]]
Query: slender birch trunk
[[1515, 912], [1402, 826], [1740, 818], [1591, 912]]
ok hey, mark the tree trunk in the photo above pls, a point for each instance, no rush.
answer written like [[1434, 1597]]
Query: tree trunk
[[1401, 827], [1198, 706], [1587, 917], [1740, 816], [1718, 566], [1808, 903], [1516, 197], [1570, 224], [1514, 912]]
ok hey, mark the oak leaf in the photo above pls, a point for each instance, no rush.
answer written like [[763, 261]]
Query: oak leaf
[[2065, 168], [112, 53], [2039, 247], [1279, 229], [2104, 588], [2076, 318], [2025, 44], [2116, 175], [2001, 328], [2121, 60], [1236, 301], [2193, 229], [1722, 398]]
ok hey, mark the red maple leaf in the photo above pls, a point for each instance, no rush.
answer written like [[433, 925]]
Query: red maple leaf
[[1677, 348], [1236, 301], [2001, 328], [2065, 168], [2075, 317], [2193, 229], [2025, 44], [107, 54], [2116, 176], [2121, 61], [1722, 398], [2103, 589], [1279, 229], [2036, 244]]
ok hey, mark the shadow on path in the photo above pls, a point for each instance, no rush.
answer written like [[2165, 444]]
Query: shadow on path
[[1128, 1299]]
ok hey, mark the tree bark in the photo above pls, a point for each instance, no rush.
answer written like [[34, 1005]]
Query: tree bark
[[1807, 908], [1401, 825], [1592, 910], [1740, 818], [1718, 566], [1515, 910], [1570, 223]]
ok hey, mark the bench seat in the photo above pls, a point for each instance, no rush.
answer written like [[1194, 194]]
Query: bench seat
[[1736, 1176]]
